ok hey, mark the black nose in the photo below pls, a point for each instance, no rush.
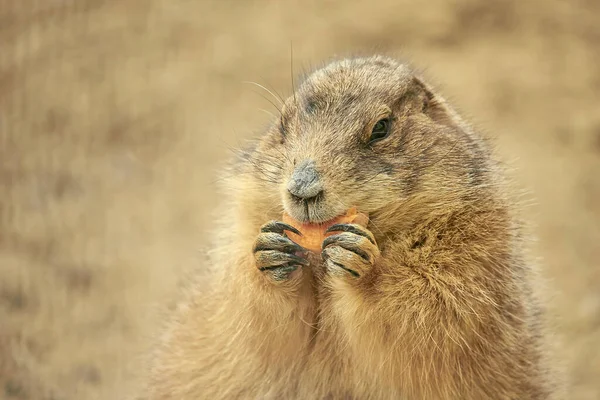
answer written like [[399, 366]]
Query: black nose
[[305, 183]]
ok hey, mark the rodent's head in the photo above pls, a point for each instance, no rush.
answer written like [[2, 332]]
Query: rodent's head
[[367, 133]]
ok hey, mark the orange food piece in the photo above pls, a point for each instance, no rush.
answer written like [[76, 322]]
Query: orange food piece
[[314, 234]]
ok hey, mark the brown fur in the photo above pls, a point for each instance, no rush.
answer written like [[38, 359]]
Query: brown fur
[[445, 310]]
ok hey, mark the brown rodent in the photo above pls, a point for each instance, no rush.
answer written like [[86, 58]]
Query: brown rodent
[[434, 299]]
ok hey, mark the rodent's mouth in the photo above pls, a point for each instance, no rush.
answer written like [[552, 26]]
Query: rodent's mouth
[[319, 222], [315, 211], [307, 216], [305, 220]]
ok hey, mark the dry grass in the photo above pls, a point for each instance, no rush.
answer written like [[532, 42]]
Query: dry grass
[[115, 114]]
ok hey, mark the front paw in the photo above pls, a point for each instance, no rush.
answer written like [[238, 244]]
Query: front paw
[[353, 251], [275, 254]]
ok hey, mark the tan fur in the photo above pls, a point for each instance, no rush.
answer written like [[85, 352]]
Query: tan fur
[[446, 310]]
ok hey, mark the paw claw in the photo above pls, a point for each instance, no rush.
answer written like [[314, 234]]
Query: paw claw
[[279, 227], [352, 228], [276, 241], [271, 258], [349, 242], [353, 250], [350, 271], [275, 253]]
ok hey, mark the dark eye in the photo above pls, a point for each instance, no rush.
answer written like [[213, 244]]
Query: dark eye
[[380, 130]]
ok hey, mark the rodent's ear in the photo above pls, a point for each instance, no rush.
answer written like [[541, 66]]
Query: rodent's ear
[[434, 106]]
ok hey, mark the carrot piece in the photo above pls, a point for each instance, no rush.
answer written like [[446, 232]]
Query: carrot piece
[[314, 234]]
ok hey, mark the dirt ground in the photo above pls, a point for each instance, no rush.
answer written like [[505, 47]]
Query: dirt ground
[[115, 116]]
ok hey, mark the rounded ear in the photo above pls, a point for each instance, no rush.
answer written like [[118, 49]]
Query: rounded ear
[[435, 107]]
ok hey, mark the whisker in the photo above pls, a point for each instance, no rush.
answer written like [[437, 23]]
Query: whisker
[[268, 112], [265, 89], [271, 102], [292, 71], [279, 96]]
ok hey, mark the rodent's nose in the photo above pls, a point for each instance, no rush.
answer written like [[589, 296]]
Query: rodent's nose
[[305, 182]]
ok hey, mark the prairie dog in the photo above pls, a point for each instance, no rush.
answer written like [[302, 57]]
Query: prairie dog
[[434, 299]]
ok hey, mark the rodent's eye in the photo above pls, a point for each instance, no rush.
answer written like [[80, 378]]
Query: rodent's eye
[[380, 130]]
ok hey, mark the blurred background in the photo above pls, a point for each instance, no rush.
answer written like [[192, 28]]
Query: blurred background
[[116, 116]]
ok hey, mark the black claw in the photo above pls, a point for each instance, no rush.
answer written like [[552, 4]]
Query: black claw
[[283, 244], [351, 229], [354, 273], [287, 248], [335, 239], [274, 267], [279, 227], [276, 257]]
